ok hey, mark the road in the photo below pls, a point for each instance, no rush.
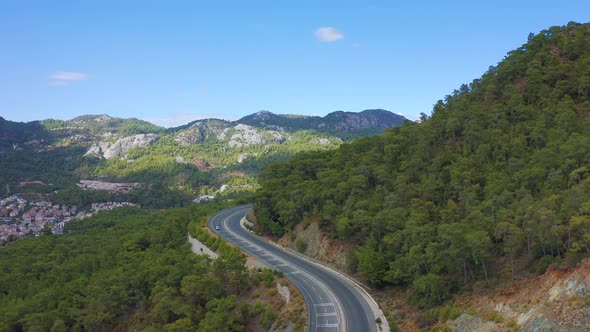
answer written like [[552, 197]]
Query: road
[[334, 303]]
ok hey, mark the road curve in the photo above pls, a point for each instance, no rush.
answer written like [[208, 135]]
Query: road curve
[[333, 303]]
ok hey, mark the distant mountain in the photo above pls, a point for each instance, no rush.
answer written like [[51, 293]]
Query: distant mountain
[[261, 128], [105, 121], [200, 156], [342, 124], [88, 126], [20, 132]]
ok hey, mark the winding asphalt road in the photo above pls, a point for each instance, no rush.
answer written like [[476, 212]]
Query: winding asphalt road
[[334, 303]]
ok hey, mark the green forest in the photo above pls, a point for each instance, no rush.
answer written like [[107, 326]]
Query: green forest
[[494, 183], [127, 270]]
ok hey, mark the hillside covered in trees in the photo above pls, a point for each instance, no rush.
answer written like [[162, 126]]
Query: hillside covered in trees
[[495, 182], [131, 269]]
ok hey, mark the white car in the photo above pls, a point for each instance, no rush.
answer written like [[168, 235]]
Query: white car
[[216, 227]]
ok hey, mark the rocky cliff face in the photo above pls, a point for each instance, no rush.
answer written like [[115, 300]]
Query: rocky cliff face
[[246, 135], [314, 243], [112, 150], [565, 306], [200, 131], [559, 300], [240, 135]]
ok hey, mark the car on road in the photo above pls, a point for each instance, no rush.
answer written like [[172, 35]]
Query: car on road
[[216, 227]]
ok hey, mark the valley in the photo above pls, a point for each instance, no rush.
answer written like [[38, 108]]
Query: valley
[[130, 161], [474, 217]]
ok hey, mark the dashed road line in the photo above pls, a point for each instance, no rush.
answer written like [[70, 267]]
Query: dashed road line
[[325, 314], [325, 304]]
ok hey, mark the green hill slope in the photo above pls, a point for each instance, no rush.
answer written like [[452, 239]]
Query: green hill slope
[[498, 176]]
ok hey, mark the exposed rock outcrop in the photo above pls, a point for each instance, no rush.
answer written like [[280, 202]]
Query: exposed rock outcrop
[[97, 149], [247, 135], [469, 323], [559, 300], [564, 307], [111, 150], [200, 131], [244, 156], [317, 245], [321, 141]]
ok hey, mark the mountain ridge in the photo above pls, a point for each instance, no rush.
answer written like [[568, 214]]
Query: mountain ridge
[[333, 122], [340, 123], [92, 127]]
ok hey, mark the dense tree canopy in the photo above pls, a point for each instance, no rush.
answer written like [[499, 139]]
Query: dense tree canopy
[[498, 172], [124, 270]]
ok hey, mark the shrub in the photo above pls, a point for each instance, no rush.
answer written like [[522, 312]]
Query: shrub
[[301, 245]]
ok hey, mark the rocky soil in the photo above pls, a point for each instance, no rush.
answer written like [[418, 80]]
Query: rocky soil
[[559, 300], [312, 242]]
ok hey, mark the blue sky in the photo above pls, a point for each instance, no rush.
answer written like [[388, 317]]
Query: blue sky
[[171, 62]]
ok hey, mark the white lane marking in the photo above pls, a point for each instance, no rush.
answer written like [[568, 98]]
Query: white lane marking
[[304, 290], [327, 325], [326, 304], [328, 314]]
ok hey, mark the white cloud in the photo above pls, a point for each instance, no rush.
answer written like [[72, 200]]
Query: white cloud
[[328, 34], [180, 119], [66, 77], [69, 76]]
